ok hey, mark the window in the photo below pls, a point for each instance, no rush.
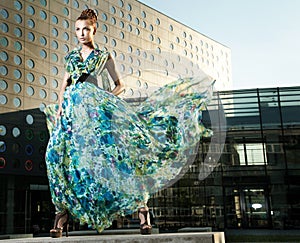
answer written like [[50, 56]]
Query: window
[[251, 154]]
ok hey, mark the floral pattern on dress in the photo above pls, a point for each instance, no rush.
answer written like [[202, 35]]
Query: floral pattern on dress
[[105, 158]]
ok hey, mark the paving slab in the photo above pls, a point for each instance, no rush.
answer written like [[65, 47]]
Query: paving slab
[[205, 237]]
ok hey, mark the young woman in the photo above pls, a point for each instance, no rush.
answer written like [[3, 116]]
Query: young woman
[[105, 159]]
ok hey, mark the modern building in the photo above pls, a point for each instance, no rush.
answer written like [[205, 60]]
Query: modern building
[[251, 180], [256, 183]]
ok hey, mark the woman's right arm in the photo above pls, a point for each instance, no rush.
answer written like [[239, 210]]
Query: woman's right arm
[[61, 93]]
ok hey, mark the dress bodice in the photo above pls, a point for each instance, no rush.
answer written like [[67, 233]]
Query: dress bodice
[[92, 65]]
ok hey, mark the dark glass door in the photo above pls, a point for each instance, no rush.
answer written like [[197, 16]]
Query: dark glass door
[[254, 208]]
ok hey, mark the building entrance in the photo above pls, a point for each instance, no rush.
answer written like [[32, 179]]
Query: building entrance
[[247, 208]]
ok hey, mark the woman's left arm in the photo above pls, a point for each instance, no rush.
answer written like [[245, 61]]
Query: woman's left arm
[[111, 68]]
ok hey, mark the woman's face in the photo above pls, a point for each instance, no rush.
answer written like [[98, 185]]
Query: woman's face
[[85, 31]]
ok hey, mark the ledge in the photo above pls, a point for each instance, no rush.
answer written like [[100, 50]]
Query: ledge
[[203, 237]]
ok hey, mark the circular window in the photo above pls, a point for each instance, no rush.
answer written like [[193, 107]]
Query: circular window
[[43, 80], [66, 36], [54, 44], [17, 5], [43, 54], [122, 35], [17, 88], [136, 21], [17, 60], [2, 160], [4, 42], [104, 39], [54, 19], [113, 42], [75, 4], [157, 22], [54, 70], [18, 32], [29, 119], [2, 149], [30, 63], [43, 136], [18, 18], [143, 13], [130, 49], [18, 46], [66, 24], [16, 132], [30, 91], [3, 84], [4, 13], [121, 3], [104, 16], [54, 57], [129, 8], [30, 77], [2, 130], [65, 48], [43, 94], [17, 102], [54, 32], [29, 134], [3, 56], [43, 14], [112, 10], [144, 25], [129, 17], [43, 40], [151, 27], [4, 27], [54, 96], [104, 28], [42, 107], [28, 165], [121, 14], [17, 74], [121, 24], [113, 20], [43, 3], [3, 70], [30, 10], [3, 99], [66, 11], [54, 83], [129, 28], [31, 36], [122, 57], [137, 31]]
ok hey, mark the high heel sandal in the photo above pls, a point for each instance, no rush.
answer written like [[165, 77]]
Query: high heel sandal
[[145, 225], [61, 223]]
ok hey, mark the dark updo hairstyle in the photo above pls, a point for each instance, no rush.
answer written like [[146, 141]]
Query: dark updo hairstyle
[[88, 14]]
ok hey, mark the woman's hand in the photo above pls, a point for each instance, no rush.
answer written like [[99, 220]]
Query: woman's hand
[[59, 112]]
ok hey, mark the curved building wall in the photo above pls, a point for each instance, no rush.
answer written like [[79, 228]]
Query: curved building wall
[[150, 48]]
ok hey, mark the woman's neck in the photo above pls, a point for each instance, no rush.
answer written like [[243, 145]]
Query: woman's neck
[[87, 47]]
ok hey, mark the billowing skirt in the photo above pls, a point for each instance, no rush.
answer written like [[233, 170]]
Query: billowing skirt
[[105, 158]]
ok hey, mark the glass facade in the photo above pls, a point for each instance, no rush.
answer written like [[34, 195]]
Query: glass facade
[[256, 183]]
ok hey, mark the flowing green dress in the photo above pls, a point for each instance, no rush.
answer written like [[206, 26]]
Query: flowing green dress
[[104, 157]]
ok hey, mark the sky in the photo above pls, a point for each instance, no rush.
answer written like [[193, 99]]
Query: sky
[[263, 35]]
